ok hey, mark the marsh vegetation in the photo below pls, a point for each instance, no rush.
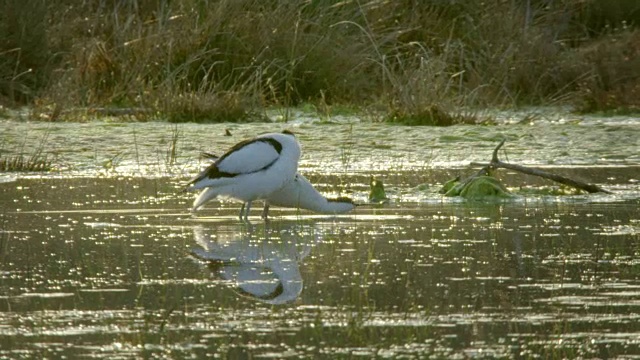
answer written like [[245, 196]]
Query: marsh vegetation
[[415, 62]]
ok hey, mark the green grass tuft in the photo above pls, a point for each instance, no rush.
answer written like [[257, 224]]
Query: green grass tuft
[[20, 163]]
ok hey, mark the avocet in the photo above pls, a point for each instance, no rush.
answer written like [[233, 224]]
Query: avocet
[[251, 170], [300, 194]]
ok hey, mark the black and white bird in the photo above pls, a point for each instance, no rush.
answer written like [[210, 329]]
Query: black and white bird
[[251, 170], [300, 194]]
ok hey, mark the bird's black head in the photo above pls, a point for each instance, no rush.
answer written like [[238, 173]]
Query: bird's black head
[[288, 132]]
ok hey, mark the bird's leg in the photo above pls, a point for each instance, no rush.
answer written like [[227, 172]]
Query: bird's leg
[[241, 212], [265, 211], [247, 209]]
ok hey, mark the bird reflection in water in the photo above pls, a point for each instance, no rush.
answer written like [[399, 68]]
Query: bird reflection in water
[[262, 263]]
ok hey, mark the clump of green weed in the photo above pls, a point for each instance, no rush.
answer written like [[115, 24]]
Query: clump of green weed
[[376, 191], [476, 187]]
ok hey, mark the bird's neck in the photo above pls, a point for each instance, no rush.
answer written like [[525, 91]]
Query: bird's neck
[[321, 204]]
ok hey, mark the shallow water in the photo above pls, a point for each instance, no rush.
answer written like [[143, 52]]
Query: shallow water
[[106, 261]]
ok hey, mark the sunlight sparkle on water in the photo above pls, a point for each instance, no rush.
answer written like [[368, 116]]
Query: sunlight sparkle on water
[[102, 251]]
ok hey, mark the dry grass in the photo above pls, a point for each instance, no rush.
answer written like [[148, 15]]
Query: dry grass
[[209, 107], [22, 163], [614, 81], [433, 116], [193, 60], [38, 160]]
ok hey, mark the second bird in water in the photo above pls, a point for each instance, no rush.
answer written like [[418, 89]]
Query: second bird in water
[[263, 168]]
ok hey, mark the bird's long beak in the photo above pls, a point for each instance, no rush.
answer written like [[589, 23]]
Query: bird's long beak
[[365, 204]]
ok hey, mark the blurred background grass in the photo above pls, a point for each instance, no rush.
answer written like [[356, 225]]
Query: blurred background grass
[[199, 60]]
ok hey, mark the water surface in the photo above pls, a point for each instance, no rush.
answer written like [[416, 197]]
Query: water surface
[[104, 260]]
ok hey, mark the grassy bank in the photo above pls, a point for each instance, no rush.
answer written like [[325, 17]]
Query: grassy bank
[[197, 60]]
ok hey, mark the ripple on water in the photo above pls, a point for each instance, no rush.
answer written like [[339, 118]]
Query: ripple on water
[[102, 256]]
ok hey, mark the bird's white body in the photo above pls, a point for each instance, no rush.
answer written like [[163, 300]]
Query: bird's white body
[[250, 170], [300, 194]]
